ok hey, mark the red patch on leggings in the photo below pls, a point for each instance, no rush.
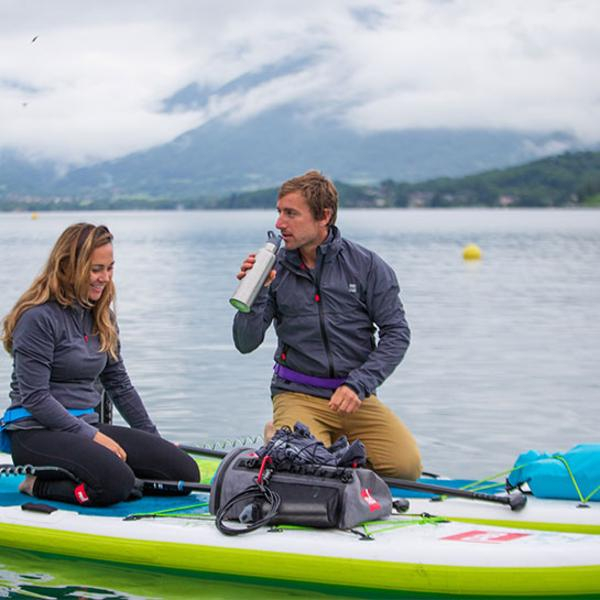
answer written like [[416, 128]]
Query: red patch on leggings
[[80, 494]]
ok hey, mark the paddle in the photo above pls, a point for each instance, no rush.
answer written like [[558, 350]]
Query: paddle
[[157, 485], [203, 451], [10, 469], [516, 500], [147, 484]]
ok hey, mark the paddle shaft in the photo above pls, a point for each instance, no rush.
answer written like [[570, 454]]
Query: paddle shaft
[[147, 484], [155, 485], [203, 451], [516, 500]]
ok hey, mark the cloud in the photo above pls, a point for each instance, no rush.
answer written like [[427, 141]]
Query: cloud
[[468, 65], [94, 83]]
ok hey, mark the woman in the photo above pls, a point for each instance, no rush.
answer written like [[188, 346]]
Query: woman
[[63, 337]]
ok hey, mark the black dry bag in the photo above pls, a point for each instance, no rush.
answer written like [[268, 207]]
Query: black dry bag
[[252, 490]]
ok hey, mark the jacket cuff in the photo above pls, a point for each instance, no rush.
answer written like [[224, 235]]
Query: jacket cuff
[[356, 389], [87, 430]]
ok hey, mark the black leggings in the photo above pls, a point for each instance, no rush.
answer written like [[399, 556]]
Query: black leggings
[[103, 478]]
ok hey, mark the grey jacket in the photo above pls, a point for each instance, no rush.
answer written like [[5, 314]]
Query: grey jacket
[[325, 319], [56, 364]]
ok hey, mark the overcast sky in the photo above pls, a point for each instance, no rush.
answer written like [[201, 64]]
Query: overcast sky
[[91, 86]]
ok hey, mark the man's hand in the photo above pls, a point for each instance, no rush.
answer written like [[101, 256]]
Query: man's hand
[[248, 264], [344, 400]]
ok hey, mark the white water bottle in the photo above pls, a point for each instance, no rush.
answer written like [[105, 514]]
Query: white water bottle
[[255, 278]]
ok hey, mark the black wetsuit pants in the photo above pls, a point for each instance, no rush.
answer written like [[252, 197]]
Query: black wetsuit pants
[[101, 478]]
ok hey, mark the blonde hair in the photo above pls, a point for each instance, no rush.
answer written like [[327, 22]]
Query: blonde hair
[[65, 279]]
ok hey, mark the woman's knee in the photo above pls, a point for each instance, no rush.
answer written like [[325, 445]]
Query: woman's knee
[[186, 468], [171, 463]]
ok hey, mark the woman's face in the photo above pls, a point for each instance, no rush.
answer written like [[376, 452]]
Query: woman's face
[[101, 271]]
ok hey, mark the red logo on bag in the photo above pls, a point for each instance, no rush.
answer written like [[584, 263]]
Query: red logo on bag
[[372, 502], [80, 494]]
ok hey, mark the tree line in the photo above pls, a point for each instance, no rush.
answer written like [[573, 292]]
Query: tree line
[[570, 179]]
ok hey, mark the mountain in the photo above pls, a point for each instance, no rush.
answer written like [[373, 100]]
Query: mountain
[[22, 177], [222, 157], [571, 179]]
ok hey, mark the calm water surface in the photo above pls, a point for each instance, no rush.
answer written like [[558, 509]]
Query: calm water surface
[[504, 355]]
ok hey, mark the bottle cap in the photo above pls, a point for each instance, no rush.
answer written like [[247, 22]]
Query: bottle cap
[[273, 238]]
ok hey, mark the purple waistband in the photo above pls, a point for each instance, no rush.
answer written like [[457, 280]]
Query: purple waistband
[[322, 382]]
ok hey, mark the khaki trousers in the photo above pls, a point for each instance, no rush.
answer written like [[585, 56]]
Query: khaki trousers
[[391, 449]]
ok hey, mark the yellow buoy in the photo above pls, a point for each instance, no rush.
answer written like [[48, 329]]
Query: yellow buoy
[[471, 252], [34, 216]]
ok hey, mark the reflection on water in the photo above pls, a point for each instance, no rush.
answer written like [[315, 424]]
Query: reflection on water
[[26, 575]]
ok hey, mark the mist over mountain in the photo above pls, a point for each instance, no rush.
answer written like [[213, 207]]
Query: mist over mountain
[[232, 154], [189, 102], [223, 156], [22, 177]]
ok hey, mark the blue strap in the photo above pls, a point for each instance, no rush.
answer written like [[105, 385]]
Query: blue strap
[[18, 413]]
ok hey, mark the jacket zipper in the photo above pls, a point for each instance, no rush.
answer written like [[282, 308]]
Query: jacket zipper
[[324, 335]]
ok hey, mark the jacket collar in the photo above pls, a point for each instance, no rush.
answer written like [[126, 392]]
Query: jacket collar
[[325, 252]]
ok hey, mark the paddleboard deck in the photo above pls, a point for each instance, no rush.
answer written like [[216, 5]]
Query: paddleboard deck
[[402, 554], [538, 514], [406, 554]]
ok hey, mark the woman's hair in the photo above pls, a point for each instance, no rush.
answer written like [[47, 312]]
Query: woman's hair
[[66, 280]]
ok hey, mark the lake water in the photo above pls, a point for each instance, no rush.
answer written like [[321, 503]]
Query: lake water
[[504, 354]]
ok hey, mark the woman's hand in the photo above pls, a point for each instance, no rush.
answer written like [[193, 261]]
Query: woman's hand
[[109, 443]]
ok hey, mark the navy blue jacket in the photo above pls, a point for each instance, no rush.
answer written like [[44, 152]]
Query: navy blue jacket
[[326, 318]]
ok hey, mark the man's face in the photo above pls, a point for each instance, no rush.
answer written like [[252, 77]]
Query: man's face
[[299, 229]]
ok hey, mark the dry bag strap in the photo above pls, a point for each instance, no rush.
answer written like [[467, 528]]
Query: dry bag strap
[[255, 495]]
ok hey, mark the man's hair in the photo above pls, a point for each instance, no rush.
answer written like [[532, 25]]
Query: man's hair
[[319, 192]]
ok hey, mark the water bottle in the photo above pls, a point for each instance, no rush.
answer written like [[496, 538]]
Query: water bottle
[[255, 278]]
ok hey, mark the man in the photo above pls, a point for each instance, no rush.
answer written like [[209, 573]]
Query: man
[[326, 296]]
